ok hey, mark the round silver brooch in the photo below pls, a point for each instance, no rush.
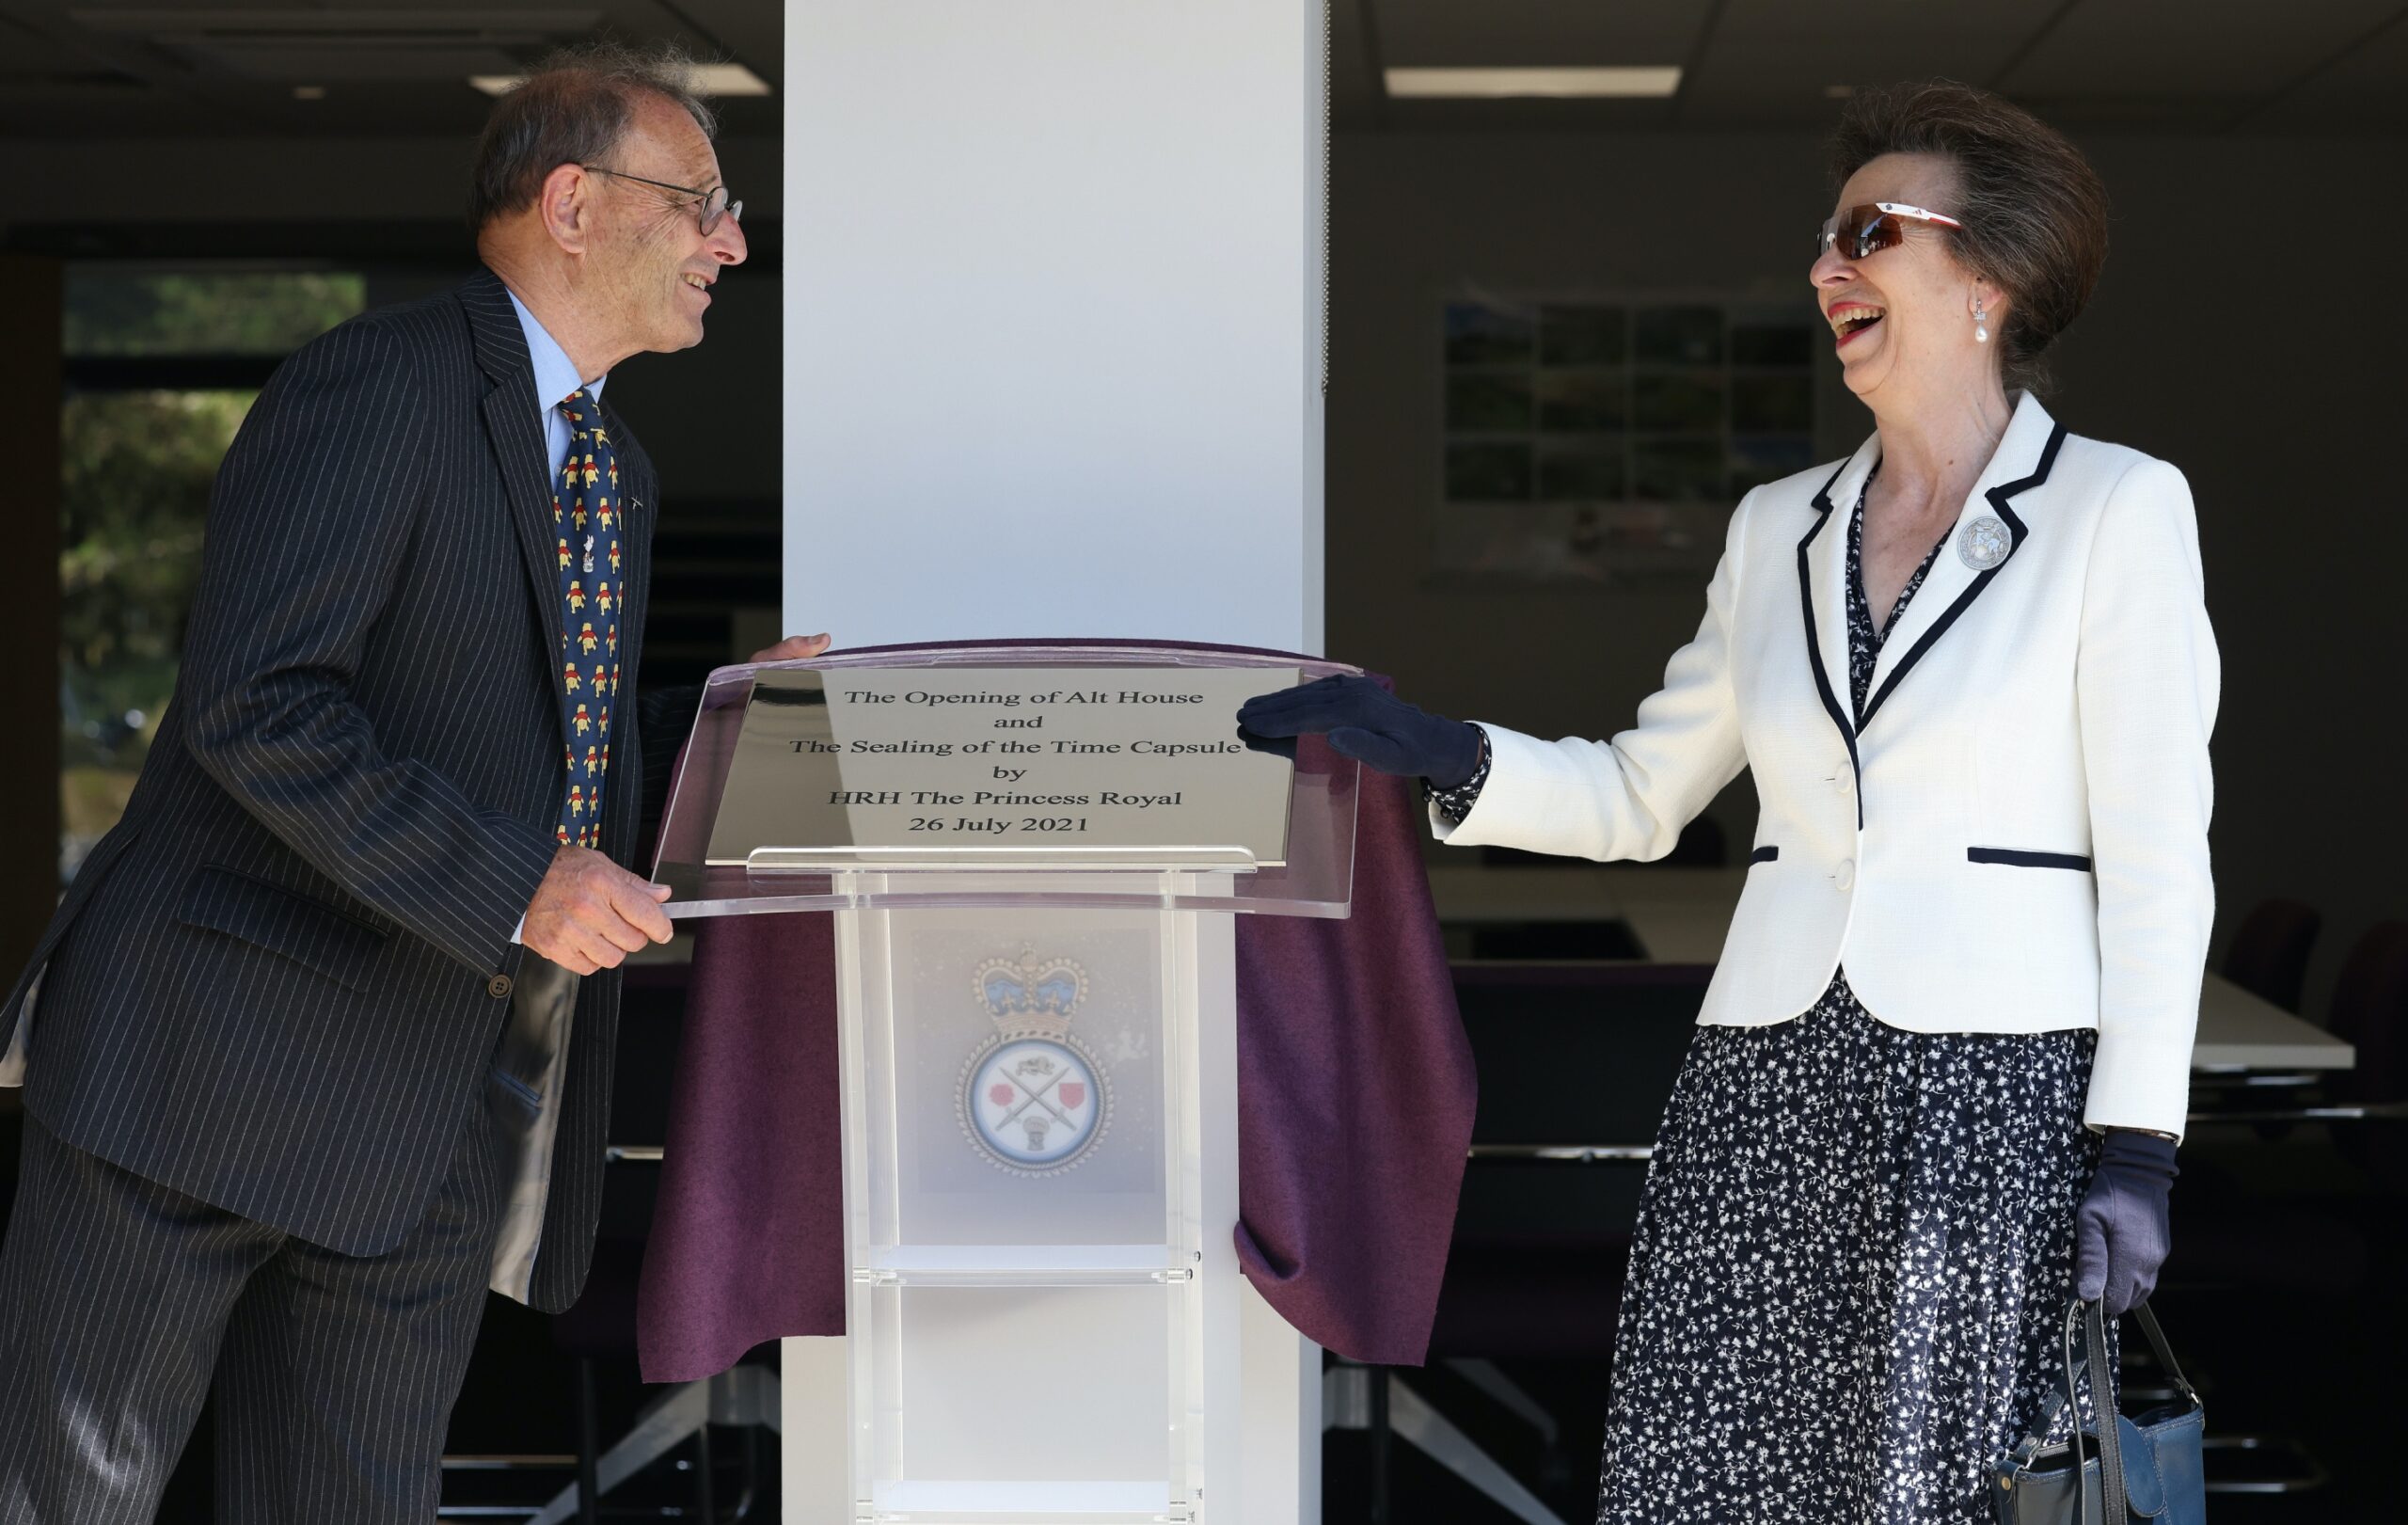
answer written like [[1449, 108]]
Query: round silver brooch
[[1984, 544]]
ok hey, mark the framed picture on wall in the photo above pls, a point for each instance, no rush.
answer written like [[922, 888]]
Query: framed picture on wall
[[1592, 439]]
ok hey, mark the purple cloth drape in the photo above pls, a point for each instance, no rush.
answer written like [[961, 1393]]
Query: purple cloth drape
[[1355, 1096]]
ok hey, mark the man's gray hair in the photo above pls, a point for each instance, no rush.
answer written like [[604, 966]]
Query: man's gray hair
[[573, 108]]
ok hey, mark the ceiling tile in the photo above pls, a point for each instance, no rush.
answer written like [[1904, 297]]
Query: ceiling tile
[[1353, 80], [23, 54], [1765, 63], [1525, 113], [2366, 90], [2200, 50], [391, 68], [297, 62], [1516, 33], [1776, 61], [752, 31], [423, 16]]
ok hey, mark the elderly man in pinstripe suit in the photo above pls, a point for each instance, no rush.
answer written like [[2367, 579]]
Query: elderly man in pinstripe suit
[[319, 1044]]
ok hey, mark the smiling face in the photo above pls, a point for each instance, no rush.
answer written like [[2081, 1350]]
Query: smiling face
[[1903, 317], [649, 266]]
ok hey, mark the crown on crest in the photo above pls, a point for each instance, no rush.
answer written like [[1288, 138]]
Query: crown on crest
[[1032, 994]]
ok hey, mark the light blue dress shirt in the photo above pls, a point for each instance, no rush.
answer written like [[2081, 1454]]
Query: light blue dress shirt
[[555, 378]]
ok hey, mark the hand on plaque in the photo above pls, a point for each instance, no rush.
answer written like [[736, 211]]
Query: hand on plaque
[[1367, 723], [793, 648]]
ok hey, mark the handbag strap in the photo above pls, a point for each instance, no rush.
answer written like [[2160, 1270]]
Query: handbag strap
[[2110, 1423], [2036, 1440], [2164, 1352], [2073, 1371]]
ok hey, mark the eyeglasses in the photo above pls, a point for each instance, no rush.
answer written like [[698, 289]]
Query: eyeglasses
[[1876, 225], [713, 203]]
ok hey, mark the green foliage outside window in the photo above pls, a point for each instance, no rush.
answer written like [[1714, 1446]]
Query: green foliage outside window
[[116, 313], [138, 468], [137, 471]]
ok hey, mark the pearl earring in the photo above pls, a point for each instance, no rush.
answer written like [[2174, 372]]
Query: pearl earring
[[1981, 323]]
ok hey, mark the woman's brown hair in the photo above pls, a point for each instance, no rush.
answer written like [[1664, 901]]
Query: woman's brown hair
[[2034, 212]]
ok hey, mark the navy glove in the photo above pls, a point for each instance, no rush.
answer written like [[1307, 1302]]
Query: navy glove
[[1367, 723], [2120, 1234]]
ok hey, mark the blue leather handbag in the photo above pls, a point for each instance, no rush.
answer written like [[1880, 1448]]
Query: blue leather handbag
[[2146, 1469]]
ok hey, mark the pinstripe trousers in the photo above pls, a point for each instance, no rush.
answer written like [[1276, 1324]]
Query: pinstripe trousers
[[121, 1302]]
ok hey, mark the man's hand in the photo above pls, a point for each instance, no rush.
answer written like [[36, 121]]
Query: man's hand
[[793, 648], [590, 913]]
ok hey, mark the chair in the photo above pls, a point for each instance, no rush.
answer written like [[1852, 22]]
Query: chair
[[601, 1327], [2368, 1104], [2370, 1009], [2269, 953], [598, 1333], [1575, 1063], [2306, 1254], [2268, 959]]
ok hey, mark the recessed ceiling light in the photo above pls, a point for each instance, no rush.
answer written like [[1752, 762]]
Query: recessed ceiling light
[[308, 92], [708, 79], [729, 79], [1498, 83]]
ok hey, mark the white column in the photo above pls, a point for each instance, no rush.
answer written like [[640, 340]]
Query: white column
[[812, 1432], [1054, 319], [1282, 1418], [1054, 366]]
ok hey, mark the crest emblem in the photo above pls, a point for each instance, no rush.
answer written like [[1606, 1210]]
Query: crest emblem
[[1984, 544], [1033, 1099]]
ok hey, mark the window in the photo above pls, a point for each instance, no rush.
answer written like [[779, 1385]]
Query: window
[[161, 367], [1586, 439], [130, 312]]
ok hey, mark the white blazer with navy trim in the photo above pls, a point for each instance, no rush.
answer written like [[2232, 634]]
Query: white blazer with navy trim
[[2015, 839]]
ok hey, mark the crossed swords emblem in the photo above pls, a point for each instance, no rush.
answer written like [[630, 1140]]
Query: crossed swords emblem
[[1035, 1098]]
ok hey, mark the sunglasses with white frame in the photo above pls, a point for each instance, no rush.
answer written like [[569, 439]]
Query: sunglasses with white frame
[[1877, 224]]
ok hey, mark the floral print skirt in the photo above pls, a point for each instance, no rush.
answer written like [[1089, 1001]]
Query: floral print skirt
[[1849, 1285]]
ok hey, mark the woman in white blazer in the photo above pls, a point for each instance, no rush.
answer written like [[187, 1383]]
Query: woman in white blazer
[[1943, 1060]]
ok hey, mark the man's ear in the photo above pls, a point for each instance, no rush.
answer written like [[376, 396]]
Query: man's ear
[[567, 207]]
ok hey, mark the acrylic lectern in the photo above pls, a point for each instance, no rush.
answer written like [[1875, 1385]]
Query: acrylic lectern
[[1033, 856]]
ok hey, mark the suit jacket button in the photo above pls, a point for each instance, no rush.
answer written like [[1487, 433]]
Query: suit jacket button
[[1846, 877], [498, 987]]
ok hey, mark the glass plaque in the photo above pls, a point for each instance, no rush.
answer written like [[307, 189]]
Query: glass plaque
[[1084, 773], [1110, 768]]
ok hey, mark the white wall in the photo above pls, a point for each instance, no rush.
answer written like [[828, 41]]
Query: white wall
[[1051, 329]]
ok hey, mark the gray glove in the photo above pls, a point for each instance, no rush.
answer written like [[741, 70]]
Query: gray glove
[[2121, 1232]]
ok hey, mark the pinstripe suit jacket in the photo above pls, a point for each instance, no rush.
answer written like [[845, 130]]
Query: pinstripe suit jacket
[[278, 983]]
